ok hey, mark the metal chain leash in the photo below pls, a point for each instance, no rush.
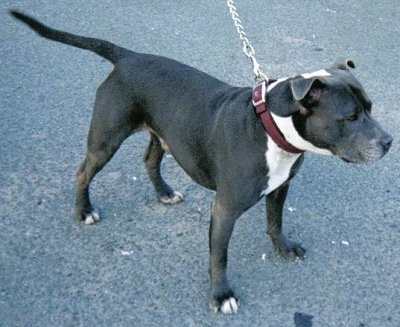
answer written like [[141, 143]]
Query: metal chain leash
[[247, 47]]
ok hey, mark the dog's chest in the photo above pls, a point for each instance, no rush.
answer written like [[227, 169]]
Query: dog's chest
[[279, 165]]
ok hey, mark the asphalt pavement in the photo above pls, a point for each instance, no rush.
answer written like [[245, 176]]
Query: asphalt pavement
[[145, 263]]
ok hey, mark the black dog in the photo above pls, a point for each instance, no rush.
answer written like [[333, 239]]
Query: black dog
[[212, 131]]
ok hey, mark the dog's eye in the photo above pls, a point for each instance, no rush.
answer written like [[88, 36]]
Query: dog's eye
[[352, 117]]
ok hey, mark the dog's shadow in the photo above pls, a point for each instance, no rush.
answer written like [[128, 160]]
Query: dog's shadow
[[302, 320]]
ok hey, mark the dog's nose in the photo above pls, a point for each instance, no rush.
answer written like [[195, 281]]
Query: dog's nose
[[386, 142]]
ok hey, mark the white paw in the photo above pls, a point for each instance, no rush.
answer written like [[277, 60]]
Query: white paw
[[91, 218], [228, 307], [175, 198]]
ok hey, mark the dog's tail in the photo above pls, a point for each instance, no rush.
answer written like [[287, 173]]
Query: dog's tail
[[103, 48]]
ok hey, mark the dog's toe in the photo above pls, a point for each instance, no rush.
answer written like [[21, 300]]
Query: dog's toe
[[174, 198], [91, 218]]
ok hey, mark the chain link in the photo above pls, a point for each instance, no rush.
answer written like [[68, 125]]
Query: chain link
[[247, 47]]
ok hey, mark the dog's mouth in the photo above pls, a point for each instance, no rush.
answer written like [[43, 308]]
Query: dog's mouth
[[347, 160], [364, 154], [366, 158], [354, 161]]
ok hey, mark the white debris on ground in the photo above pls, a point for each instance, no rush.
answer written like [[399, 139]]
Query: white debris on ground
[[123, 252]]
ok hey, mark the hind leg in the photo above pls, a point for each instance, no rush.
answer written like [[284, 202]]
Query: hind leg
[[111, 124], [92, 164], [152, 159], [96, 159], [83, 207]]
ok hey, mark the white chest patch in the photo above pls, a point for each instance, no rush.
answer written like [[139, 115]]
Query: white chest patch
[[279, 163]]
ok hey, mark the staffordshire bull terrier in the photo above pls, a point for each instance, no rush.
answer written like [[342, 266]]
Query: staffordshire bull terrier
[[214, 132]]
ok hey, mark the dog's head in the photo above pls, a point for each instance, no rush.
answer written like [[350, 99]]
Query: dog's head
[[332, 113]]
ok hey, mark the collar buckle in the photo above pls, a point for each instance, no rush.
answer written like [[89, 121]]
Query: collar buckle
[[259, 93], [260, 108]]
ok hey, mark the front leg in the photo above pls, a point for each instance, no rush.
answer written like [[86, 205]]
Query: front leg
[[286, 248], [221, 228]]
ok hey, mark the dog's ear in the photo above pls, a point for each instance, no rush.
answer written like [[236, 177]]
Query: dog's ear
[[345, 64], [300, 87], [307, 91]]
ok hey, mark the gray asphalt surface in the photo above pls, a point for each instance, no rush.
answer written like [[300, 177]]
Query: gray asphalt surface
[[145, 264]]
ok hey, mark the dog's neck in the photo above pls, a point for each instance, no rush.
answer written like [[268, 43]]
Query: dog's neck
[[288, 130], [261, 109]]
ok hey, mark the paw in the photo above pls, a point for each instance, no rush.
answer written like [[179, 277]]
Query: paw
[[293, 252], [227, 306], [91, 217], [173, 198], [288, 249]]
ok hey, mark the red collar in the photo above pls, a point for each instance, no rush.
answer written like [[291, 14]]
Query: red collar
[[260, 107]]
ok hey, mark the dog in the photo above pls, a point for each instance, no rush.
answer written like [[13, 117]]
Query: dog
[[243, 143]]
